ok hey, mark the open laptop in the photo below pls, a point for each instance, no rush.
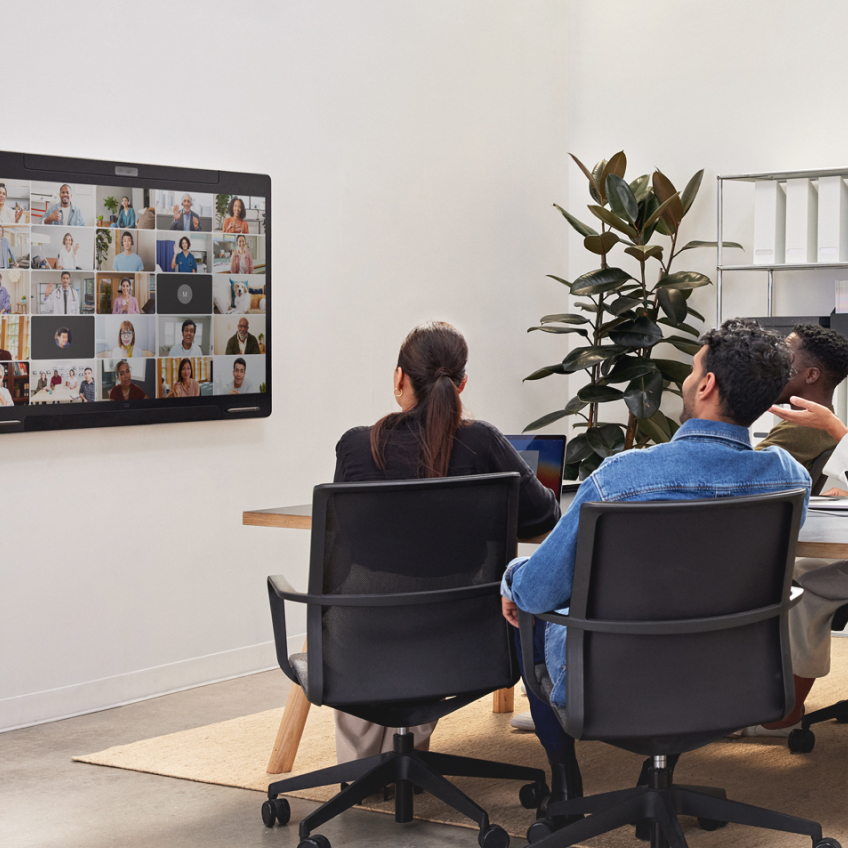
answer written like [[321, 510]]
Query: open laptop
[[546, 457]]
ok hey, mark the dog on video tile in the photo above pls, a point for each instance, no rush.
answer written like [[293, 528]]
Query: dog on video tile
[[241, 298]]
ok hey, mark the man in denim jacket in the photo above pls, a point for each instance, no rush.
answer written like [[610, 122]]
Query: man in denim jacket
[[736, 375]]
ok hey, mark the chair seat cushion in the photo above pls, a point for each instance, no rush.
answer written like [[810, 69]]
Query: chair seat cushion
[[299, 664]]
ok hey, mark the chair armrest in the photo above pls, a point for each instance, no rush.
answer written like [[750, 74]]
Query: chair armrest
[[528, 660], [278, 589], [673, 627], [283, 589]]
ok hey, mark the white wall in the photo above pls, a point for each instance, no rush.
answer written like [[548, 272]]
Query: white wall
[[415, 150], [725, 86]]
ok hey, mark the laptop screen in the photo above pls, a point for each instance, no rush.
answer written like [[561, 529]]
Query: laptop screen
[[546, 457]]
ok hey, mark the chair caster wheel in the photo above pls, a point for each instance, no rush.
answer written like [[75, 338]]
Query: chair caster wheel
[[533, 794], [314, 841], [276, 810], [801, 741], [842, 712], [710, 824], [539, 830], [827, 842], [493, 836], [643, 831]]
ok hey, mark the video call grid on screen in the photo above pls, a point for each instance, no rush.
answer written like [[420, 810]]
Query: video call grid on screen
[[136, 286]]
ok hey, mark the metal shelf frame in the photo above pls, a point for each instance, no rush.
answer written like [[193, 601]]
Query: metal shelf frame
[[771, 268]]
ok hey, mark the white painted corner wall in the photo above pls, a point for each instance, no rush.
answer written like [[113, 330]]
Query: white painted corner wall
[[415, 151]]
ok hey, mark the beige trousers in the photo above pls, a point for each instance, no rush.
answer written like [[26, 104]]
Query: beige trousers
[[825, 584], [357, 738]]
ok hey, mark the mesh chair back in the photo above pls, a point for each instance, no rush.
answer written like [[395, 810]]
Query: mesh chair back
[[817, 474], [671, 561], [402, 537]]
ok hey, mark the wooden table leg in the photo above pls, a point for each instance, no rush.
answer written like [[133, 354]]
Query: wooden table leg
[[289, 731], [503, 701]]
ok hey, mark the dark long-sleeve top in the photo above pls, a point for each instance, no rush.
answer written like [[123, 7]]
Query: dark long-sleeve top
[[479, 448]]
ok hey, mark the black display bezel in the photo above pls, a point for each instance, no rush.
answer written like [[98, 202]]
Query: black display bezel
[[105, 413]]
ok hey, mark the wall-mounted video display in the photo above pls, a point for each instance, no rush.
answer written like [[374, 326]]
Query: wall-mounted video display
[[132, 289]]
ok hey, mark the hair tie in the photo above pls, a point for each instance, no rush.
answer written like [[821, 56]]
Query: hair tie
[[443, 372]]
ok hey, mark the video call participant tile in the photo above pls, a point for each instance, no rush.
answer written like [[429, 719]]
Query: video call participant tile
[[62, 337], [178, 294]]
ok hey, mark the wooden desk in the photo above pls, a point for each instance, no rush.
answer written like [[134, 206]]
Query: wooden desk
[[824, 534]]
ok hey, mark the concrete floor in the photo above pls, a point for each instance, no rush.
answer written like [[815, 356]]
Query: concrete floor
[[46, 800]]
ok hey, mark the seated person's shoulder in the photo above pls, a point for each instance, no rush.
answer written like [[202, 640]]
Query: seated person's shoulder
[[355, 438]]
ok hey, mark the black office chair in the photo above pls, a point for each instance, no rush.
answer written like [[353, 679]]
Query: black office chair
[[817, 474], [677, 635], [404, 626], [802, 740]]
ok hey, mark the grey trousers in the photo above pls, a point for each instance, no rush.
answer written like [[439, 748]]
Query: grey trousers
[[357, 738], [825, 584]]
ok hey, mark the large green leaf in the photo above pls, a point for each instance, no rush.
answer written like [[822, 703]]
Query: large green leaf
[[691, 245], [593, 187], [560, 331], [597, 177], [578, 449], [622, 304], [656, 217], [638, 332], [617, 165], [685, 345], [643, 252], [613, 220], [574, 405], [594, 393], [583, 229], [559, 280], [564, 318], [587, 307], [665, 191], [643, 395], [673, 304], [602, 243], [588, 466], [585, 357], [621, 199], [673, 369], [629, 368], [597, 282], [546, 372], [691, 190], [640, 187], [684, 280], [572, 471], [647, 206], [605, 440], [603, 331], [653, 431], [684, 328], [545, 420], [695, 314]]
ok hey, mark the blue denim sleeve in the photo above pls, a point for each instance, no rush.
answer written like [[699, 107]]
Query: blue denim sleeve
[[542, 582]]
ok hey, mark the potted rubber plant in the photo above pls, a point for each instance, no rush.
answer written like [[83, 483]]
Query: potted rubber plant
[[624, 319]]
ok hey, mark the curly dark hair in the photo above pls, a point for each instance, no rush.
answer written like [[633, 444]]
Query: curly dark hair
[[826, 349], [231, 208], [751, 367]]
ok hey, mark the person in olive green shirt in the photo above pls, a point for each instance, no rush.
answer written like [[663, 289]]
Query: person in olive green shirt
[[819, 366]]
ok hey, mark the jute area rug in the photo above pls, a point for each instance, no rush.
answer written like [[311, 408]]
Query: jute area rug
[[761, 772]]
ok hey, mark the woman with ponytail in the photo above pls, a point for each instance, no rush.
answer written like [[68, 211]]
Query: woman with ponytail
[[430, 438]]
